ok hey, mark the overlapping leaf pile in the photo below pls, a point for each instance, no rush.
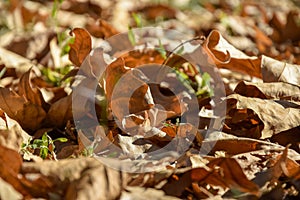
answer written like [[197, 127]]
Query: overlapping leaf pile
[[255, 155]]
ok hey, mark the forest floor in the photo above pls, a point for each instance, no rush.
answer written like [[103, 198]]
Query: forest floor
[[149, 99]]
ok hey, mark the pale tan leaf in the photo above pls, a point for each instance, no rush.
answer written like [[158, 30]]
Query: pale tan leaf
[[276, 90], [85, 178], [277, 71], [275, 115], [12, 135]]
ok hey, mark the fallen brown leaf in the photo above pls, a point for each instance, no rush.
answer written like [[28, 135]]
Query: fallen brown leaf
[[81, 46], [275, 115]]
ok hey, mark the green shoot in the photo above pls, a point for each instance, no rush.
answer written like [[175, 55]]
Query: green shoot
[[88, 151], [55, 76], [161, 49], [64, 42], [45, 145], [138, 20], [204, 87], [55, 8], [131, 36]]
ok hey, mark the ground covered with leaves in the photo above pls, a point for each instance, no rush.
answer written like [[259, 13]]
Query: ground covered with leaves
[[222, 121]]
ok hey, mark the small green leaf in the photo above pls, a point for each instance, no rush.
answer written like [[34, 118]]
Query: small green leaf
[[38, 142], [44, 153], [131, 36], [205, 79], [61, 140], [138, 20], [45, 138], [161, 50]]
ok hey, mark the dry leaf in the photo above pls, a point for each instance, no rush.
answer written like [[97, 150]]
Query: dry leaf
[[81, 46], [11, 103], [29, 92], [288, 31], [12, 135], [221, 174], [31, 117], [276, 90], [275, 115], [224, 55], [83, 178], [101, 29], [60, 112], [152, 12], [10, 165], [277, 71]]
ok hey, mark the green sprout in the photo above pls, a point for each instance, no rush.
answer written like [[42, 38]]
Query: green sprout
[[55, 76], [131, 36], [138, 20], [45, 145], [55, 8], [161, 49], [204, 87], [64, 41]]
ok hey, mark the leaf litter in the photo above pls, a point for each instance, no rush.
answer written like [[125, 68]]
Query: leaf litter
[[254, 44]]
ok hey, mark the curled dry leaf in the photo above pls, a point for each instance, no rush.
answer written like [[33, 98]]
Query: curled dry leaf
[[277, 71], [85, 178], [29, 92], [224, 55], [81, 46], [279, 167], [30, 116], [277, 90], [218, 172], [221, 174], [275, 115], [33, 47], [11, 135]]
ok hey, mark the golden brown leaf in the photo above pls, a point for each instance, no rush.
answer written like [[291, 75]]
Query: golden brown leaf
[[81, 46], [29, 92], [224, 55]]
